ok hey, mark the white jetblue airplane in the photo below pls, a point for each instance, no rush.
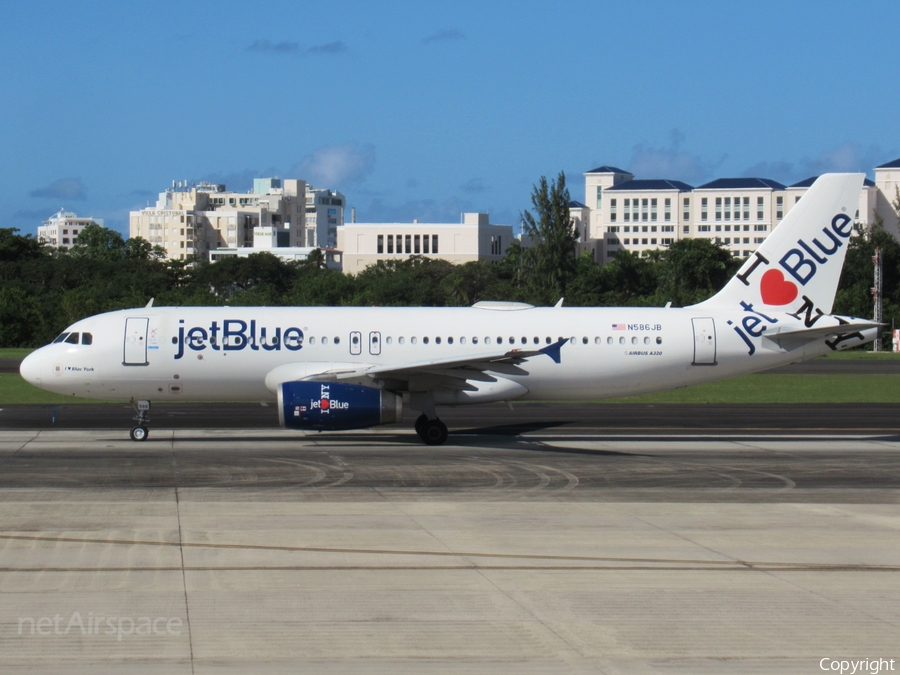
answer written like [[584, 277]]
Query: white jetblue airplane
[[334, 368]]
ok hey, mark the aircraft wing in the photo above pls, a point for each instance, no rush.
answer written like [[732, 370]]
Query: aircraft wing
[[450, 372]]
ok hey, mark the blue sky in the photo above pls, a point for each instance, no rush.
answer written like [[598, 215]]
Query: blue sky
[[421, 110]]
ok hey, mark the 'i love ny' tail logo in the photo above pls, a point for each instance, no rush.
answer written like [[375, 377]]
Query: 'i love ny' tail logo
[[775, 289]]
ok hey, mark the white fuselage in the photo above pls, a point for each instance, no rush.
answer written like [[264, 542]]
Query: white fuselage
[[226, 353]]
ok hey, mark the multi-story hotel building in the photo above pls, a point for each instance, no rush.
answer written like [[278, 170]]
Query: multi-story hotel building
[[191, 221], [62, 228], [640, 215]]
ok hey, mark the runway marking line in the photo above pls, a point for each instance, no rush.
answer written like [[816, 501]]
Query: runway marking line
[[734, 567], [638, 563]]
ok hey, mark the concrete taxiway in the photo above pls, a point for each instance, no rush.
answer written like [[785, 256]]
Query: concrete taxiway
[[534, 548]]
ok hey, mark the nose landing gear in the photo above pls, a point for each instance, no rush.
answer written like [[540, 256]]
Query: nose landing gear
[[140, 432]]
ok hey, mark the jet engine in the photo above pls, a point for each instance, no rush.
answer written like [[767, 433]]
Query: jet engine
[[333, 406]]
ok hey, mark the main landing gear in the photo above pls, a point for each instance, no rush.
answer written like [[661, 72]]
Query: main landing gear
[[431, 431], [140, 432]]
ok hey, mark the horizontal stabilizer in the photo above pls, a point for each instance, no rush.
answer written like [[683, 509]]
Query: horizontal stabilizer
[[789, 339]]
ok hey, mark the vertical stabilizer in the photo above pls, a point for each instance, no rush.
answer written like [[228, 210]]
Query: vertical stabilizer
[[801, 260]]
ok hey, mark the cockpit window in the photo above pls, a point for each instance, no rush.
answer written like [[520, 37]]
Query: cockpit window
[[87, 339], [62, 336], [72, 339]]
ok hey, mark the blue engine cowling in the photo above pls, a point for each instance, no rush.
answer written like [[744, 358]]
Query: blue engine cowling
[[332, 406]]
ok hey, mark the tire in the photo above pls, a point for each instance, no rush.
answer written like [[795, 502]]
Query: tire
[[421, 420], [139, 433], [434, 432]]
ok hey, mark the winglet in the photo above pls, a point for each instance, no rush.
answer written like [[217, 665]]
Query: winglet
[[553, 350]]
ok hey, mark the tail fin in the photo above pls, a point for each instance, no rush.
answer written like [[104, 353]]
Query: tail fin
[[801, 260]]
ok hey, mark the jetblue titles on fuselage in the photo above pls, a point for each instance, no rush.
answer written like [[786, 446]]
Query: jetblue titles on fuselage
[[234, 335]]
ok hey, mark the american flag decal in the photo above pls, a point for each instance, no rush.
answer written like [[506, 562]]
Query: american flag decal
[[618, 326]]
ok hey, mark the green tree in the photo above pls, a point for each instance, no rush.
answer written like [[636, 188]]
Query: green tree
[[99, 243], [549, 264], [692, 270], [14, 247]]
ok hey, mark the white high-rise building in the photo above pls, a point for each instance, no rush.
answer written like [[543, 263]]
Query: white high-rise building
[[324, 214], [62, 228], [192, 221]]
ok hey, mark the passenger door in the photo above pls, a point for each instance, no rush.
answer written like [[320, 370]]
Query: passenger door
[[135, 351], [704, 342]]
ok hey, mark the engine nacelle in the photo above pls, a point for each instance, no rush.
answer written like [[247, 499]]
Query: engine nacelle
[[333, 406]]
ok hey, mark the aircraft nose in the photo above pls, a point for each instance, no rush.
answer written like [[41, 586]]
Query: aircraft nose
[[30, 369]]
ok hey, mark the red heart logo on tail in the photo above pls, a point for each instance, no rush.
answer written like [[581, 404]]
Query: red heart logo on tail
[[775, 290]]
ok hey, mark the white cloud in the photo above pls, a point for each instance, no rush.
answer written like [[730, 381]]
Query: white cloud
[[332, 166], [446, 35], [267, 46], [671, 162], [64, 188], [847, 157]]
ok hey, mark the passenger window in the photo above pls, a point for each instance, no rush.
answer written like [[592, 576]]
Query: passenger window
[[659, 340], [412, 340], [87, 339], [401, 340], [62, 336], [337, 340], [450, 340], [312, 340], [388, 339], [512, 340], [425, 340], [584, 340], [437, 340], [596, 341], [72, 339], [609, 340], [536, 339], [547, 339], [324, 340]]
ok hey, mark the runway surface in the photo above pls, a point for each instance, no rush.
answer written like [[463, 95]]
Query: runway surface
[[544, 540], [492, 419]]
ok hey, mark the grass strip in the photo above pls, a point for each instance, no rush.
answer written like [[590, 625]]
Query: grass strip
[[760, 388], [779, 388]]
